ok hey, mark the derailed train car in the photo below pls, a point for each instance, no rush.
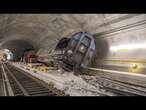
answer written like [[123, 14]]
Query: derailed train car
[[79, 51]]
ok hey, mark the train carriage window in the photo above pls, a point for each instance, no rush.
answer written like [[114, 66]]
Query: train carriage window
[[86, 40], [73, 44]]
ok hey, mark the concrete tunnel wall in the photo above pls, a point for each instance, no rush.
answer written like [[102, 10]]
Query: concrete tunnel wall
[[126, 42], [44, 30]]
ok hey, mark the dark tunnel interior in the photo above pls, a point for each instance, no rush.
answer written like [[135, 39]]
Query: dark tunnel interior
[[62, 44], [18, 47], [102, 50]]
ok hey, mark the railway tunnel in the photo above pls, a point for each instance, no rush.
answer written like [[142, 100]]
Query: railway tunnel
[[119, 54]]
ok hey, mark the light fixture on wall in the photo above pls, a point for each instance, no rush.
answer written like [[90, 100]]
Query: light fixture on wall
[[8, 53], [128, 47]]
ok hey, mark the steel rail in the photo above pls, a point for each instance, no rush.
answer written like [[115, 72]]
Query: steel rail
[[18, 83]]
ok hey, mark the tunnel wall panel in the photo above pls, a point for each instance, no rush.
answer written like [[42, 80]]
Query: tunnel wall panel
[[126, 41]]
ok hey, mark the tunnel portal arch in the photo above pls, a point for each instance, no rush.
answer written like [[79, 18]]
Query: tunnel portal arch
[[18, 47]]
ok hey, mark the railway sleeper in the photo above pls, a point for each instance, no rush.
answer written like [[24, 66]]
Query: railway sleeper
[[40, 92], [35, 90], [30, 88]]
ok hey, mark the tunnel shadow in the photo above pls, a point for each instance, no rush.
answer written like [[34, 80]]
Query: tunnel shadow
[[102, 49], [62, 44], [17, 47]]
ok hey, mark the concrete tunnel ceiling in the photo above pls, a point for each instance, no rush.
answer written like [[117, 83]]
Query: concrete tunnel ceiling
[[41, 31]]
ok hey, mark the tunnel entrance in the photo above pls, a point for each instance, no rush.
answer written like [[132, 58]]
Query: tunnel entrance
[[17, 48]]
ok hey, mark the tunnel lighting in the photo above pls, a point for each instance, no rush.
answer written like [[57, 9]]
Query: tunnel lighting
[[8, 53], [135, 68], [128, 47]]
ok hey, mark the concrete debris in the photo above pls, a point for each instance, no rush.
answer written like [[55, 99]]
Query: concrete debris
[[67, 82]]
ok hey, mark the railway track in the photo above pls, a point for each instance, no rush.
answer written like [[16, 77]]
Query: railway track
[[117, 87], [1, 77], [23, 84], [3, 82], [120, 88]]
